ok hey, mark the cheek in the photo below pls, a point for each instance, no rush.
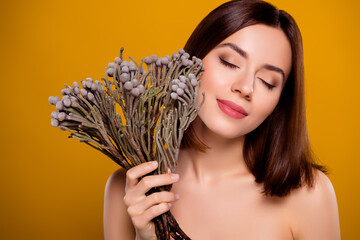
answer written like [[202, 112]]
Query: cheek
[[266, 105]]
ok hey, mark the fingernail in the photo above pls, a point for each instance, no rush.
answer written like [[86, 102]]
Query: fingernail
[[177, 196], [154, 163], [169, 205], [174, 176]]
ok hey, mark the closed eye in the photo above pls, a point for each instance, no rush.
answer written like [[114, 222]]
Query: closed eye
[[268, 85], [227, 63]]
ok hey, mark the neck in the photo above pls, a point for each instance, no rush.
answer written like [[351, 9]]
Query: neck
[[223, 159]]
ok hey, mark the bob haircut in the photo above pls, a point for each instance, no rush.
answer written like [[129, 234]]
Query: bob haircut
[[278, 151]]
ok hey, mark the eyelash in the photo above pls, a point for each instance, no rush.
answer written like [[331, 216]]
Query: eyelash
[[268, 85]]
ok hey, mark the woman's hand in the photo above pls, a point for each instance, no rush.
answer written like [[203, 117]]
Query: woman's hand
[[141, 208]]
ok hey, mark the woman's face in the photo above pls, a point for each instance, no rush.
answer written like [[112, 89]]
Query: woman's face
[[243, 79]]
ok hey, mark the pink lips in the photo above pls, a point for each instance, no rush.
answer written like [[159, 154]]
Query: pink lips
[[231, 109]]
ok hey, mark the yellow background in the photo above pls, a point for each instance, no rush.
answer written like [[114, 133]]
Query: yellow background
[[52, 187]]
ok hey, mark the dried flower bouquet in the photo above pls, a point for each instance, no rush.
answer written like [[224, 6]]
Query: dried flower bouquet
[[136, 116]]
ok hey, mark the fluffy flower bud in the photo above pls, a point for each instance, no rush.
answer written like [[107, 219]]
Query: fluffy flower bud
[[180, 91], [59, 105], [111, 65], [194, 82], [54, 122], [76, 85], [125, 69], [83, 92], [174, 87], [55, 114], [174, 95], [110, 72], [94, 87], [135, 92], [135, 82], [191, 76], [118, 60], [91, 96], [62, 116], [124, 77], [67, 102], [141, 88], [148, 60], [128, 86]]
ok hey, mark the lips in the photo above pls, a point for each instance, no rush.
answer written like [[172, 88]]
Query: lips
[[231, 109]]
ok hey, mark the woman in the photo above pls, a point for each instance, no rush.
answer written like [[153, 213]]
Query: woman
[[245, 169]]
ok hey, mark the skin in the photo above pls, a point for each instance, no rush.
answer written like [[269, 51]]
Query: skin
[[214, 195]]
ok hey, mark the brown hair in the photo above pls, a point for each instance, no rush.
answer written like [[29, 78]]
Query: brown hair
[[277, 152]]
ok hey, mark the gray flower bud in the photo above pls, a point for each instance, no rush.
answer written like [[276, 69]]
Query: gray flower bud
[[174, 87], [76, 90], [52, 100], [191, 76], [128, 86], [174, 95], [67, 102], [75, 85], [63, 92], [175, 56], [135, 82], [186, 55], [123, 64], [83, 92], [148, 60], [158, 62], [154, 58], [118, 60], [90, 96], [181, 51], [88, 84], [94, 87], [111, 65], [176, 81], [190, 63], [165, 61], [83, 83], [182, 78], [125, 69], [110, 72], [141, 88], [184, 62], [124, 77], [55, 114], [135, 92], [59, 105], [62, 116], [180, 91], [194, 82], [54, 122], [89, 79], [182, 85], [132, 66], [170, 64]]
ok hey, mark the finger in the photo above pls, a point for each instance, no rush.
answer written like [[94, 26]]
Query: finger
[[151, 213], [149, 182], [152, 200], [133, 174]]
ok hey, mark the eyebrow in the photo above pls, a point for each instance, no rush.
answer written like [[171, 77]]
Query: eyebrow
[[245, 55]]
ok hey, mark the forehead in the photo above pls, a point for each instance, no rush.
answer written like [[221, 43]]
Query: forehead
[[264, 45]]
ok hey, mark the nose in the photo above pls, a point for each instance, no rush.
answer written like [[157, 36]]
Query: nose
[[244, 85]]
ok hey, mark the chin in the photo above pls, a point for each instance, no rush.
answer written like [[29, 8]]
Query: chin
[[219, 128]]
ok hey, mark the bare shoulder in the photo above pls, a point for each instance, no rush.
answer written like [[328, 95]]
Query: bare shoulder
[[313, 210], [117, 223]]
